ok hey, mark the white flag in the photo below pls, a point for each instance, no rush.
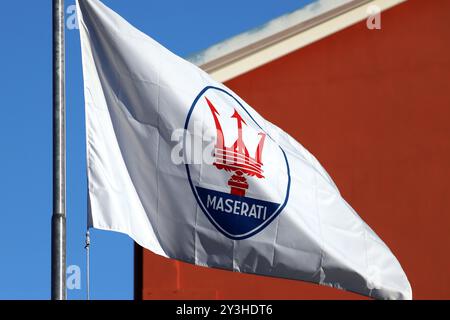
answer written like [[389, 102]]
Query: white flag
[[190, 171]]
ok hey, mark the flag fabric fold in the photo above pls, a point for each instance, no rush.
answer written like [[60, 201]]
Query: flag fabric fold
[[190, 171]]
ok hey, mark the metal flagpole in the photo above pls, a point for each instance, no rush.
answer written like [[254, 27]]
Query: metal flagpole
[[59, 156]]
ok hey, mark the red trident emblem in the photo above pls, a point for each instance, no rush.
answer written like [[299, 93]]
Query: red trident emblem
[[236, 158]]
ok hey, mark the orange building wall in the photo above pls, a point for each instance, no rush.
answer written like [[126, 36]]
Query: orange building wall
[[374, 107]]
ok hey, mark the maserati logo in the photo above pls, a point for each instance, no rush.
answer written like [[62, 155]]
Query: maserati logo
[[247, 185], [236, 158]]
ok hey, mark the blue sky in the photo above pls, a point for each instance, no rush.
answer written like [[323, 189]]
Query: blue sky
[[184, 27]]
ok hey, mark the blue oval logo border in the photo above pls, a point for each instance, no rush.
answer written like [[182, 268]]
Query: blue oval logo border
[[280, 208]]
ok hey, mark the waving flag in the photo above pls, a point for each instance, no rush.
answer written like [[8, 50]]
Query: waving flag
[[190, 171]]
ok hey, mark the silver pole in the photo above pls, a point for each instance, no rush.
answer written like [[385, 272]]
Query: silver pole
[[59, 156]]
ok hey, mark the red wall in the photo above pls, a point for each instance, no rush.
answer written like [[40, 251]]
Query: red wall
[[374, 107]]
